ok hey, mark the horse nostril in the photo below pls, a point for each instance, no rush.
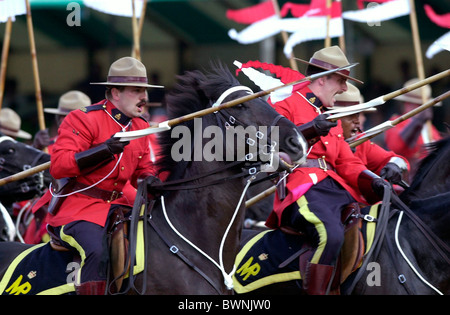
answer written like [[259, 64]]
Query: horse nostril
[[297, 145]]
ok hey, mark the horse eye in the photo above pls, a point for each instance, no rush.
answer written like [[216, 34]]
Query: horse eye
[[11, 150]]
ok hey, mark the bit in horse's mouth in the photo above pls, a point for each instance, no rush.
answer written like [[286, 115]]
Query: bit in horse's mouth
[[285, 161]]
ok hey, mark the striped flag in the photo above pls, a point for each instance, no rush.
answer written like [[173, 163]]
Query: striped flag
[[282, 74], [116, 7], [11, 8], [312, 24], [378, 12], [443, 42], [263, 21]]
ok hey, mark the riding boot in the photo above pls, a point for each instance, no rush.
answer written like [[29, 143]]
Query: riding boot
[[91, 288], [317, 279]]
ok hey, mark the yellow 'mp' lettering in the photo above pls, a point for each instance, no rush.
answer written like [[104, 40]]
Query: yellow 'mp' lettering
[[16, 288], [248, 269]]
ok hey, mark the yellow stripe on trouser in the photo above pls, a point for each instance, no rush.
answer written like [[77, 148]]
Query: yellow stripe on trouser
[[318, 225], [72, 242]]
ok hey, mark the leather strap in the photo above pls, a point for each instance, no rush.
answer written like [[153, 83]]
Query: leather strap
[[318, 163], [98, 193]]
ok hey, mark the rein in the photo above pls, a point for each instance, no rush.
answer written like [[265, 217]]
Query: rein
[[385, 216]]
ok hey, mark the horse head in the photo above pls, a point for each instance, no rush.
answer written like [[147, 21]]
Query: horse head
[[211, 161], [14, 158], [433, 175], [251, 131]]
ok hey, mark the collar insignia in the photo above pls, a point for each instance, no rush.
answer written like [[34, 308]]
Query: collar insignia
[[119, 116]]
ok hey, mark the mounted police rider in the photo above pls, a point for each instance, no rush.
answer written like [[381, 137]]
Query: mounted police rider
[[332, 176], [98, 166]]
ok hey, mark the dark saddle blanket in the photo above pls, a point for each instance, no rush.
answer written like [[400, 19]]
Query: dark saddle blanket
[[274, 256], [40, 270]]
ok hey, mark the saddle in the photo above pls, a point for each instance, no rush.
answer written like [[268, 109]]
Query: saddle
[[281, 255]]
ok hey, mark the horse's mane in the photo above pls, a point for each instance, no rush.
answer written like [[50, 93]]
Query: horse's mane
[[194, 91], [435, 150]]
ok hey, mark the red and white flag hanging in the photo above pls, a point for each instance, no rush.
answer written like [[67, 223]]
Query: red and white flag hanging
[[11, 8], [116, 7], [308, 22], [282, 74], [263, 20], [440, 20], [312, 24], [443, 42], [381, 10]]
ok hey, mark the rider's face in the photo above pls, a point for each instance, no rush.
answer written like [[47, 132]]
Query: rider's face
[[332, 85], [131, 100], [351, 125]]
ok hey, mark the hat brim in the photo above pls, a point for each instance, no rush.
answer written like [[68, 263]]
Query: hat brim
[[326, 69], [18, 134], [414, 100], [55, 111], [128, 84]]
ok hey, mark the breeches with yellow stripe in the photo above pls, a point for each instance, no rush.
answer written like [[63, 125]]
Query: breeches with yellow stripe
[[318, 214], [91, 242]]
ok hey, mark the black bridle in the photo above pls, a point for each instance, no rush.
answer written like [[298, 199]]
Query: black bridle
[[249, 166], [11, 167]]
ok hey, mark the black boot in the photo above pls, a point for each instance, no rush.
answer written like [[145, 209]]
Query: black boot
[[317, 279], [91, 288]]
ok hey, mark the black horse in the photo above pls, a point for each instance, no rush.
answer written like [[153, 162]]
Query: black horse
[[412, 255], [16, 157], [201, 198]]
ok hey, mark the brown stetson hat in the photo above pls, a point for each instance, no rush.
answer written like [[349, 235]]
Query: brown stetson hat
[[127, 71], [415, 96], [10, 124], [330, 58], [68, 102]]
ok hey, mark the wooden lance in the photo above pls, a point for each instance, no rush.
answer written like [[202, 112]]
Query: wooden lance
[[172, 122], [379, 100]]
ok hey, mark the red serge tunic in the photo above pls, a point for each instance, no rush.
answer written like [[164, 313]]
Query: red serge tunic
[[300, 108], [82, 130], [375, 157], [395, 142]]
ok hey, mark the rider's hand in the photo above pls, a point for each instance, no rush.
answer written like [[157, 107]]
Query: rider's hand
[[392, 173], [379, 185], [322, 125], [115, 146], [41, 139], [151, 182]]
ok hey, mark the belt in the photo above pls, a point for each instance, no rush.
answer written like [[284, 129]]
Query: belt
[[319, 163], [98, 193]]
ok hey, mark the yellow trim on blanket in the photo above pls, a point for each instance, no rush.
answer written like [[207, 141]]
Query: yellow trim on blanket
[[13, 266], [282, 277], [288, 276], [62, 289]]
